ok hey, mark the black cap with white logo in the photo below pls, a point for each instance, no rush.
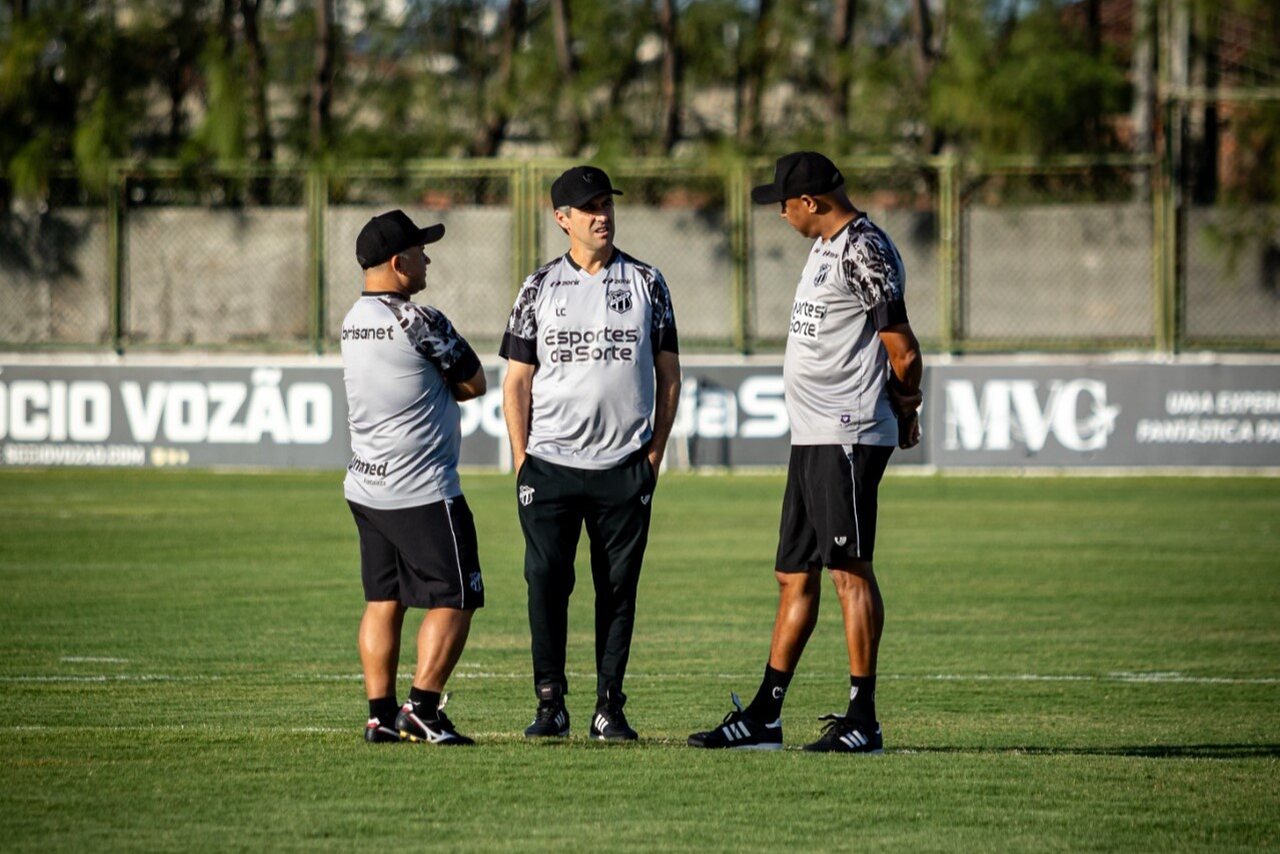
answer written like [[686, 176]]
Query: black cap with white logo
[[580, 185], [801, 173], [389, 234]]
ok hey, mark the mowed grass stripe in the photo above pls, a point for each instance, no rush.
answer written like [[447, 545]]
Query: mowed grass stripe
[[1073, 663]]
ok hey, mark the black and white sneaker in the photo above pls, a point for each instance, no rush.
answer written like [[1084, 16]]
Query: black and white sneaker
[[609, 723], [740, 731], [552, 718], [842, 735], [436, 730], [375, 732]]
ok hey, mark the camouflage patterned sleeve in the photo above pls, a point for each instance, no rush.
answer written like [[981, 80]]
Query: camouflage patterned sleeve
[[432, 335], [520, 340], [875, 275], [663, 323]]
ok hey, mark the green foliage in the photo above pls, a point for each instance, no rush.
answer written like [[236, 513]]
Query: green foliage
[[1035, 90]]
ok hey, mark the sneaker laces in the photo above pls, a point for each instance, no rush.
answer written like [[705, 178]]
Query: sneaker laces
[[837, 724], [547, 711], [738, 712]]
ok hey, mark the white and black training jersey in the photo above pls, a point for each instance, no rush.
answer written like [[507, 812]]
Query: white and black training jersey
[[593, 340], [836, 368], [399, 360]]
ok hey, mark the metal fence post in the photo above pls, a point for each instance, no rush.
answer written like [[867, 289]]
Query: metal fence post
[[737, 181], [116, 272], [317, 219], [951, 262]]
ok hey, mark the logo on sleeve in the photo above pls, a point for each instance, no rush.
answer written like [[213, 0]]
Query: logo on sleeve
[[619, 301]]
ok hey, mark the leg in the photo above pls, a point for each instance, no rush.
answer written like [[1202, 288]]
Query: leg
[[551, 519], [617, 518], [379, 642], [798, 597], [441, 638], [863, 611]]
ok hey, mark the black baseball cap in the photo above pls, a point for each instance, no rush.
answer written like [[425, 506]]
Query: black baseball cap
[[801, 173], [389, 234], [580, 184]]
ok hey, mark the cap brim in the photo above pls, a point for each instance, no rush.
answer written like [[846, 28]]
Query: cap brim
[[431, 234], [578, 201], [766, 194]]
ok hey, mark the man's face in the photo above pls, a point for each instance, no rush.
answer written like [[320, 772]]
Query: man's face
[[800, 213], [412, 267], [591, 224]]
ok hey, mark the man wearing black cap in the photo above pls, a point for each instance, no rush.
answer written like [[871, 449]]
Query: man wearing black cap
[[405, 370], [851, 376], [589, 334]]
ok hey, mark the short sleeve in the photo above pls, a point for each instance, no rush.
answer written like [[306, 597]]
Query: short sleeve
[[662, 331], [876, 277], [520, 340], [433, 336]]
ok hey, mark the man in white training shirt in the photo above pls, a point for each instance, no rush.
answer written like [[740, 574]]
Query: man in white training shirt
[[590, 333], [851, 376], [405, 370]]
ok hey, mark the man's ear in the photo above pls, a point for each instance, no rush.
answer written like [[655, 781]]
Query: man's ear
[[810, 203]]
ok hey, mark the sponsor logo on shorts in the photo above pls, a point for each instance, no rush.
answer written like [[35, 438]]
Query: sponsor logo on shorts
[[476, 583], [840, 541], [526, 496], [644, 499], [619, 301]]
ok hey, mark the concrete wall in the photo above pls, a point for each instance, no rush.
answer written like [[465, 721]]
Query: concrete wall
[[1035, 273]]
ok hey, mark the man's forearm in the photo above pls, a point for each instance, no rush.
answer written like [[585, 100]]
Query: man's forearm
[[517, 404], [666, 399]]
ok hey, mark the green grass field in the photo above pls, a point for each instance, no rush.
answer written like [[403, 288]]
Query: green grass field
[[1068, 664]]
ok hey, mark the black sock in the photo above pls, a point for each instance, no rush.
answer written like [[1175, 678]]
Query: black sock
[[767, 706], [384, 709], [862, 699], [425, 703]]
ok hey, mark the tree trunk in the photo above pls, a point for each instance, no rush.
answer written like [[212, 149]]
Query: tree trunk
[[562, 29], [840, 71], [322, 80], [1205, 130], [672, 75], [752, 79], [257, 81], [494, 127], [1143, 73], [922, 28]]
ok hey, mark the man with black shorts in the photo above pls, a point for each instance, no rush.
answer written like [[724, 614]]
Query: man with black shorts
[[852, 382], [405, 370], [589, 333]]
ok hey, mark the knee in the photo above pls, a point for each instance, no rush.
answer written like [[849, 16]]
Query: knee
[[855, 579], [798, 583]]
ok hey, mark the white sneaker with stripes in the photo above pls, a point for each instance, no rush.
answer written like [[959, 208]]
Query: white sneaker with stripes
[[739, 731]]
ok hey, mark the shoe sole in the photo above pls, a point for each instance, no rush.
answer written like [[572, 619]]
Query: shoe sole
[[875, 752], [450, 742], [756, 747], [596, 737], [564, 734]]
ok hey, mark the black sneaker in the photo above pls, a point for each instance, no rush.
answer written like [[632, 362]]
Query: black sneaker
[[609, 723], [376, 733], [842, 735], [436, 730], [552, 718], [740, 731]]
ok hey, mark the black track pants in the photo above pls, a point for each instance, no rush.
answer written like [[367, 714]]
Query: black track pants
[[554, 503]]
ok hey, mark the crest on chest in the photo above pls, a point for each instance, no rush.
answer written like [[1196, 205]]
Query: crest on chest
[[619, 300]]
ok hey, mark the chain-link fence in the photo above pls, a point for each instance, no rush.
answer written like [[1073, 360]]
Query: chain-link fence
[[1057, 258], [55, 285], [215, 260], [1000, 256]]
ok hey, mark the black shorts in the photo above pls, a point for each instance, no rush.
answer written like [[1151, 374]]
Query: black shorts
[[422, 556], [829, 509]]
